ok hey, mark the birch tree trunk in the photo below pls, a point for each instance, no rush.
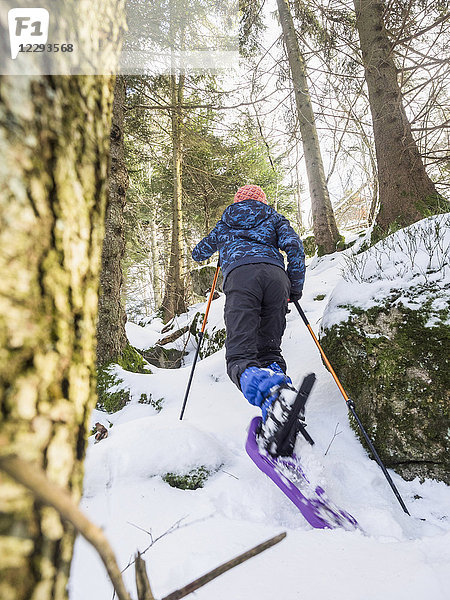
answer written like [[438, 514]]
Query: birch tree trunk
[[111, 336], [174, 298], [406, 192], [54, 146], [326, 233]]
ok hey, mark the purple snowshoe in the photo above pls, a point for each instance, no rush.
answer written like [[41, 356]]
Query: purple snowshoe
[[273, 454], [288, 475]]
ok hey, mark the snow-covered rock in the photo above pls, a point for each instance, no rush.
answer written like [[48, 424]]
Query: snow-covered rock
[[387, 327]]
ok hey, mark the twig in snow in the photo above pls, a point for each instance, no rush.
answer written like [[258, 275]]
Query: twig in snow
[[336, 433], [31, 476], [153, 540], [201, 581], [230, 474]]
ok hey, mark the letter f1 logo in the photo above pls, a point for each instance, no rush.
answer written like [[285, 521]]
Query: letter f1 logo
[[27, 26]]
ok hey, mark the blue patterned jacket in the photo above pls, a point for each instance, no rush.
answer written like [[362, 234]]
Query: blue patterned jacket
[[252, 232]]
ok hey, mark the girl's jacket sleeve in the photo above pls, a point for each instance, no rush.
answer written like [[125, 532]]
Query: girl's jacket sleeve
[[289, 242], [206, 247]]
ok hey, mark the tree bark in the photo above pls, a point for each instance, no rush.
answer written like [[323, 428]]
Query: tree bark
[[111, 336], [156, 269], [155, 253], [406, 192], [54, 148], [298, 195], [324, 224], [174, 299]]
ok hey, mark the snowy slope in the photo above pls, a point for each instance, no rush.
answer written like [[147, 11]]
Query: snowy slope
[[409, 267], [398, 557]]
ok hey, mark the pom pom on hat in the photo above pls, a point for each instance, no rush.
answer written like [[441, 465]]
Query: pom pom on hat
[[250, 192]]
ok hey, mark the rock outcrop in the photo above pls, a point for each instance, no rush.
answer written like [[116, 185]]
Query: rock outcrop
[[394, 363], [386, 331]]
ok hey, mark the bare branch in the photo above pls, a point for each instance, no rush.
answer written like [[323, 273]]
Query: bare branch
[[444, 125], [417, 34], [33, 478], [336, 433], [201, 581], [192, 106]]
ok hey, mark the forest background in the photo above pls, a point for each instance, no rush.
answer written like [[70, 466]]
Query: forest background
[[220, 131]]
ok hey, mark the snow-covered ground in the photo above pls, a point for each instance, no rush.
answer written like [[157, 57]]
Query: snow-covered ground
[[396, 557]]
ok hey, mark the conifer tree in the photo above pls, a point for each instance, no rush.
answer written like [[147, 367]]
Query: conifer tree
[[406, 193], [325, 229]]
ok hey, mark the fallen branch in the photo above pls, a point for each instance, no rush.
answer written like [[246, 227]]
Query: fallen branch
[[172, 336], [204, 579], [34, 479]]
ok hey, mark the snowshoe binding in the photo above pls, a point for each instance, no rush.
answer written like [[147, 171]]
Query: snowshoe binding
[[284, 418]]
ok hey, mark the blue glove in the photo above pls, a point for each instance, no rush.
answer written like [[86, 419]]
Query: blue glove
[[256, 383]]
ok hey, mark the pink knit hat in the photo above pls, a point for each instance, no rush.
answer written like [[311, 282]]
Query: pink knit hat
[[250, 192]]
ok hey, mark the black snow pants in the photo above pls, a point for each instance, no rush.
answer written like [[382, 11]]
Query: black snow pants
[[255, 317]]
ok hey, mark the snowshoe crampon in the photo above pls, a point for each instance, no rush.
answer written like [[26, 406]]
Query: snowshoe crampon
[[286, 419]]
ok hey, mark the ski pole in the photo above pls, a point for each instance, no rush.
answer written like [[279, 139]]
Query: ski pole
[[352, 408], [200, 339]]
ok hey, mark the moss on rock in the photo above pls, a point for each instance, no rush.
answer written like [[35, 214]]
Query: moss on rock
[[111, 395], [393, 362], [164, 358], [202, 279], [309, 245], [131, 360], [213, 340], [192, 480]]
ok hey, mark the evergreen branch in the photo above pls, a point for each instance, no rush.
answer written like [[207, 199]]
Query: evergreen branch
[[192, 106]]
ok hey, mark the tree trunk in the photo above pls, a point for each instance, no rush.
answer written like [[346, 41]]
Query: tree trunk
[[174, 299], [298, 194], [156, 270], [54, 148], [324, 224], [406, 192], [111, 336], [206, 213]]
